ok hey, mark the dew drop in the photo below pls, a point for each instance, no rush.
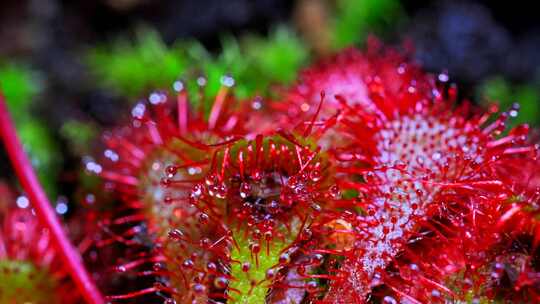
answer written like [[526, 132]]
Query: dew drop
[[273, 207], [334, 192], [188, 264], [169, 301], [121, 269], [211, 179], [203, 218], [221, 191], [513, 113], [316, 207], [158, 266], [176, 234], [312, 286], [245, 190], [211, 266], [256, 104], [205, 243], [317, 259], [171, 171], [284, 258], [199, 289], [165, 182], [306, 234], [201, 81], [270, 273], [255, 248], [138, 110], [315, 175], [178, 86], [443, 77], [157, 98], [221, 282], [196, 191], [227, 80]]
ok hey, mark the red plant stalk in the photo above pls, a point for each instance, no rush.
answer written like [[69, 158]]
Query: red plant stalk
[[44, 211]]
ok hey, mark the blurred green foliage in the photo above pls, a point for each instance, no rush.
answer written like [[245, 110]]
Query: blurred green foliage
[[79, 135], [355, 19], [504, 93], [254, 62], [131, 68], [43, 151], [20, 86], [279, 57]]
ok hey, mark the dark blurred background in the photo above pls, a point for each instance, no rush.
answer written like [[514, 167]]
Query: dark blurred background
[[472, 39]]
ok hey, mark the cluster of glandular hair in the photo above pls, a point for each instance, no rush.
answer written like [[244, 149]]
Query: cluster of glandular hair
[[366, 183], [30, 268]]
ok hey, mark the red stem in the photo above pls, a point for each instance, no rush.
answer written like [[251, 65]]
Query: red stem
[[43, 208]]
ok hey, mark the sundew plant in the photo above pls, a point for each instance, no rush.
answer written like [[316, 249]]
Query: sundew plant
[[264, 174]]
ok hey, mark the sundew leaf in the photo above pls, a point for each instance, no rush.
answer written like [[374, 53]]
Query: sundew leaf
[[243, 280], [22, 282]]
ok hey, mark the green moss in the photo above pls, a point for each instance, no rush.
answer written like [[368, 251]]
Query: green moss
[[504, 93], [354, 20], [20, 86], [79, 134], [253, 61], [22, 282], [279, 57], [43, 152], [130, 67]]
